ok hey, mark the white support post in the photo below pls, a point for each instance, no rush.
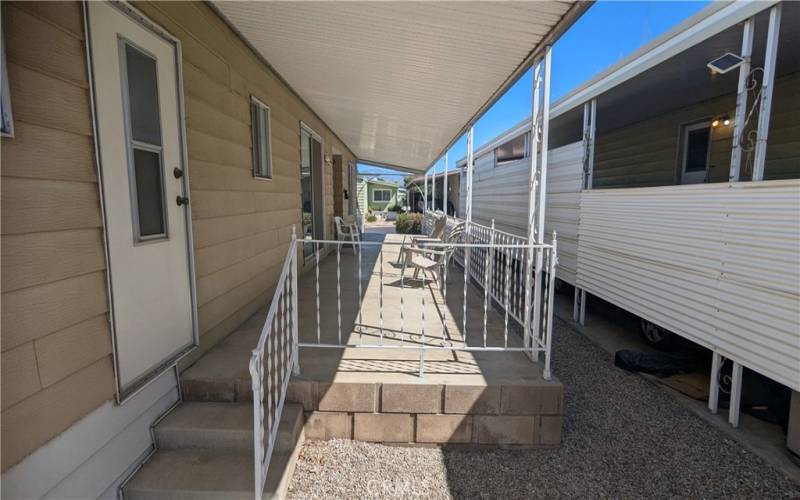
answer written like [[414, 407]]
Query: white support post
[[592, 133], [532, 189], [582, 318], [741, 101], [542, 184], [433, 188], [766, 92], [713, 388], [470, 166], [576, 303], [425, 195], [736, 394], [444, 196]]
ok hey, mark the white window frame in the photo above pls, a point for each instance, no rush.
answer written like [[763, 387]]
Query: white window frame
[[7, 119], [258, 105], [381, 190]]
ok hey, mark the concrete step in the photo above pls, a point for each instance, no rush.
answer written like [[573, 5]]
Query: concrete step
[[205, 452], [223, 426]]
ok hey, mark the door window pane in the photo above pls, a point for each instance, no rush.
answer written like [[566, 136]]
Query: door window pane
[[142, 96], [697, 150], [149, 194]]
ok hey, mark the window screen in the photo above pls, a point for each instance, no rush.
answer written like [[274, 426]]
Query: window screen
[[515, 149], [6, 121], [262, 150]]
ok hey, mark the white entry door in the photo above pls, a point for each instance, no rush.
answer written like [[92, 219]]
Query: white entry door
[[144, 194], [696, 152]]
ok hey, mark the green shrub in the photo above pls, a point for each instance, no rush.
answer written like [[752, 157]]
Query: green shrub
[[410, 223], [395, 208], [371, 218]]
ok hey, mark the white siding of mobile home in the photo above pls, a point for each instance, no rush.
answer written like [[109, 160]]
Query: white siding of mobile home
[[501, 193], [716, 263]]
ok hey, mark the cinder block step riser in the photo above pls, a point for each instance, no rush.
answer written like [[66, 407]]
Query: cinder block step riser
[[529, 430], [542, 398]]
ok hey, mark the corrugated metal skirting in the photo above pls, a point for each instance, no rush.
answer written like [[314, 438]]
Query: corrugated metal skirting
[[501, 193], [716, 263]]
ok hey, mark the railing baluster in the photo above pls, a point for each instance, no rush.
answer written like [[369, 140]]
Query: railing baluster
[[466, 282], [339, 291], [360, 319], [316, 272], [422, 347], [486, 284], [507, 286], [550, 298]]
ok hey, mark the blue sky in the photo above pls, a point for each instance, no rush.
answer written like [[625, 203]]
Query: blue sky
[[606, 33]]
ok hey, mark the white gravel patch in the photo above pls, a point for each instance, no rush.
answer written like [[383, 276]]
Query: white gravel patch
[[623, 437]]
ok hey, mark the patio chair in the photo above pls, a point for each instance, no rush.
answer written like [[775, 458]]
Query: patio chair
[[433, 260], [346, 231], [437, 233]]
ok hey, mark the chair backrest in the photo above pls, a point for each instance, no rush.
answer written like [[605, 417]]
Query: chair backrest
[[438, 227], [339, 223]]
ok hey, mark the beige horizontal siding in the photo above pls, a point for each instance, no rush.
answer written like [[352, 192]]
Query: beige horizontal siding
[[56, 343], [647, 153], [241, 225]]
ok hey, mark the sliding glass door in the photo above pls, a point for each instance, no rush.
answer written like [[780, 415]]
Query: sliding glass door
[[311, 187]]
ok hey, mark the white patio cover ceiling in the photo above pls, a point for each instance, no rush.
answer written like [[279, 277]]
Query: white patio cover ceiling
[[397, 82]]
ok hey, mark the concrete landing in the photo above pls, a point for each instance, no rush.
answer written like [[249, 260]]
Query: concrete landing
[[376, 393]]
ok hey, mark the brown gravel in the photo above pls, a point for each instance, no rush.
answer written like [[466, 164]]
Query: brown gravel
[[623, 437]]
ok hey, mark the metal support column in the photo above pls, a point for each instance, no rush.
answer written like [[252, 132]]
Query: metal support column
[[470, 166], [713, 388], [736, 394], [741, 101], [444, 196], [425, 195], [766, 92], [433, 188], [542, 185], [533, 179]]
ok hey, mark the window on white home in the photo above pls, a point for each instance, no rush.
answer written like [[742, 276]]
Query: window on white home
[[380, 195], [6, 120], [515, 149], [262, 143]]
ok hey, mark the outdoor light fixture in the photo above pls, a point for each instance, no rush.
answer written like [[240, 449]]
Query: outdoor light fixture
[[725, 63], [722, 120]]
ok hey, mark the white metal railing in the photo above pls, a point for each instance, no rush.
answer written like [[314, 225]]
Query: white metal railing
[[272, 363], [496, 271]]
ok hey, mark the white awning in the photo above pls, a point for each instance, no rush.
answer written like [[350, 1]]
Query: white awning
[[398, 82]]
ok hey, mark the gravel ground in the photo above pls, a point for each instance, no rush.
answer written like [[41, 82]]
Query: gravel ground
[[623, 437]]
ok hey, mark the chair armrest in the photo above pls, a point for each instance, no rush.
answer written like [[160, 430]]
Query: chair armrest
[[424, 251]]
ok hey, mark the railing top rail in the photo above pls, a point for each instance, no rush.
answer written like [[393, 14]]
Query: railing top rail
[[273, 308], [432, 244]]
